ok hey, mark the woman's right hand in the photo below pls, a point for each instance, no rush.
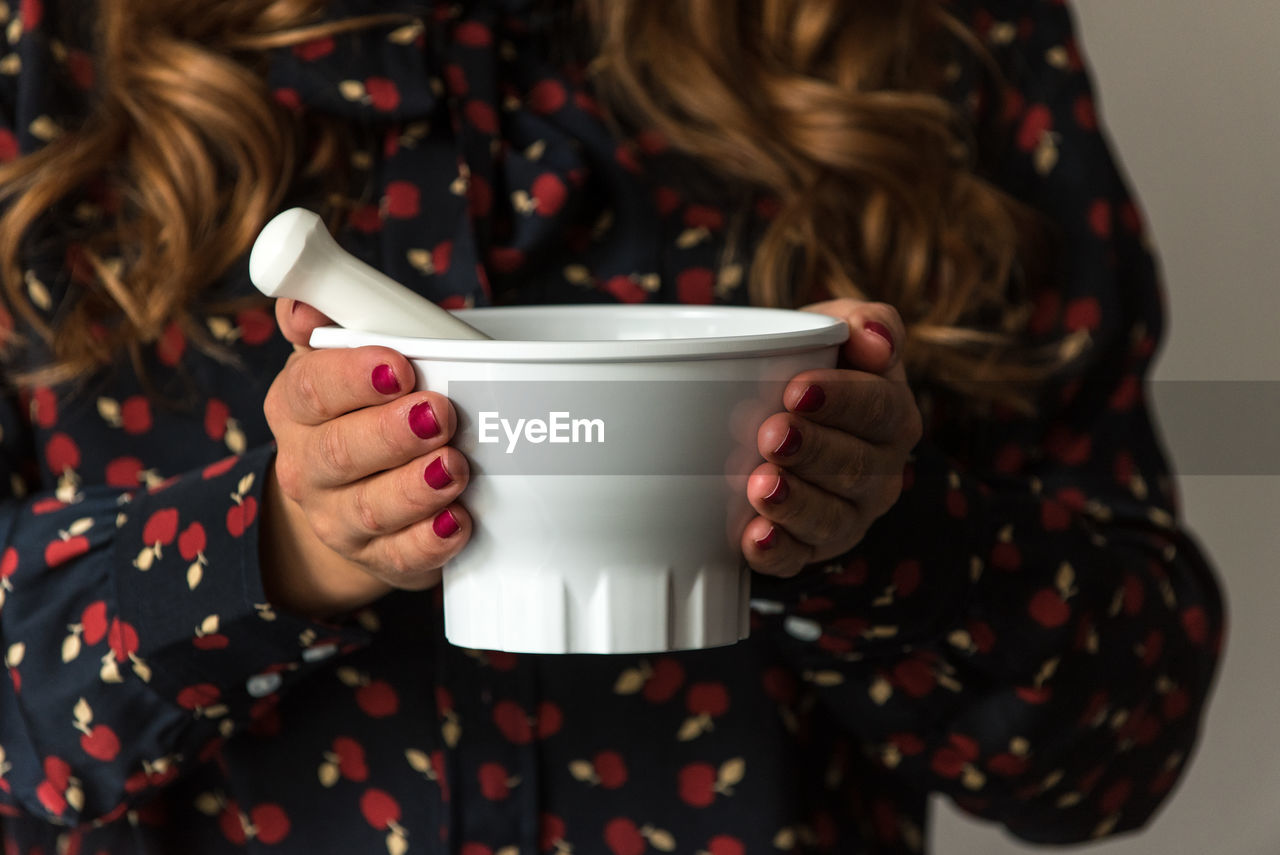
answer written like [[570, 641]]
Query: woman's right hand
[[360, 499]]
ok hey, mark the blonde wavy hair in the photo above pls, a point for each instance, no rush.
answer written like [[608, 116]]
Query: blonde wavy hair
[[833, 110]]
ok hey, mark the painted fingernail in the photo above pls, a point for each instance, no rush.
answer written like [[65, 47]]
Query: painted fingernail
[[812, 399], [766, 542], [384, 380], [423, 422], [780, 492], [877, 328], [445, 525], [436, 475], [293, 310], [790, 443]]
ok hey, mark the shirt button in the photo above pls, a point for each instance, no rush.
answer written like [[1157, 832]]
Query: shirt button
[[319, 652], [261, 685]]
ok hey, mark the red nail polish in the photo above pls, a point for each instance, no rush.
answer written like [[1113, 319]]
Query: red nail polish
[[423, 422], [445, 524], [780, 492], [436, 475], [767, 541], [877, 328], [384, 380], [812, 399], [790, 443]]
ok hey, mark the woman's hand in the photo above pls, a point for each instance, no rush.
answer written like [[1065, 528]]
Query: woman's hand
[[835, 457], [360, 499]]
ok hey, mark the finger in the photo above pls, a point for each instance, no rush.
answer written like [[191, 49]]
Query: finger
[[876, 333], [386, 503], [298, 320], [412, 557], [354, 446], [832, 459], [867, 406], [808, 513], [770, 550], [316, 386]]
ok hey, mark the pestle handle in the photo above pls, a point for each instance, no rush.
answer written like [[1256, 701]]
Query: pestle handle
[[296, 257]]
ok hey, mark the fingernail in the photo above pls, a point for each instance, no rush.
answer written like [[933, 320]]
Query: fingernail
[[445, 525], [294, 308], [423, 422], [766, 542], [877, 328], [780, 492], [790, 443], [384, 380], [437, 476], [812, 399]]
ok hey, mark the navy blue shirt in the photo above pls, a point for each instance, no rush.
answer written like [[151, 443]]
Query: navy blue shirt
[[1029, 630]]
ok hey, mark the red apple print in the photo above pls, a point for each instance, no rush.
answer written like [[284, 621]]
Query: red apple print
[[161, 527], [403, 200], [550, 829], [124, 472], [625, 155], [441, 257], [1115, 796], [1083, 314], [212, 641], [512, 722], [44, 407], [351, 759], [707, 699], [366, 219], [256, 326], [287, 98], [625, 289], [455, 81], [199, 695], [914, 676], [547, 96], [241, 516], [57, 772], [383, 94], [1006, 556], [479, 196], [122, 638], [271, 822], [379, 808], [506, 259], [666, 200], [1085, 113], [1035, 123], [62, 453], [1100, 218], [51, 798], [611, 769], [192, 541], [550, 719], [31, 12], [8, 563], [1195, 624], [947, 762], [493, 781], [135, 415], [1175, 705], [1033, 695], [1152, 647], [697, 784], [1126, 394], [8, 152], [696, 285], [482, 116], [500, 660], [1049, 609], [60, 551], [229, 822], [550, 193], [377, 699], [723, 844], [474, 848], [779, 684], [100, 743], [703, 216], [623, 837], [442, 777], [472, 34], [310, 51], [906, 578], [664, 682], [93, 620]]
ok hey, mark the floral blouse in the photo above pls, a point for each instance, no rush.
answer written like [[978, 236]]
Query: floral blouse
[[1028, 631]]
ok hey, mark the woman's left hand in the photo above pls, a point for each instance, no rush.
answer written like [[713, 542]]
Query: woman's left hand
[[834, 459]]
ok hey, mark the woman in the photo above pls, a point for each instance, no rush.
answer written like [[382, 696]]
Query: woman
[[212, 653]]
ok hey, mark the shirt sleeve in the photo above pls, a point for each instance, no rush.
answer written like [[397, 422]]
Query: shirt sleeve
[[1030, 630]]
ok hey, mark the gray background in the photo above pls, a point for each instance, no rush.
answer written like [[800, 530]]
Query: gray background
[[1191, 94]]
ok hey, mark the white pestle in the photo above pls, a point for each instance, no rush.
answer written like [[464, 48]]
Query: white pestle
[[296, 257]]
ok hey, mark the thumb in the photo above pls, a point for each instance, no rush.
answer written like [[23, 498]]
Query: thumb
[[298, 320], [876, 334]]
